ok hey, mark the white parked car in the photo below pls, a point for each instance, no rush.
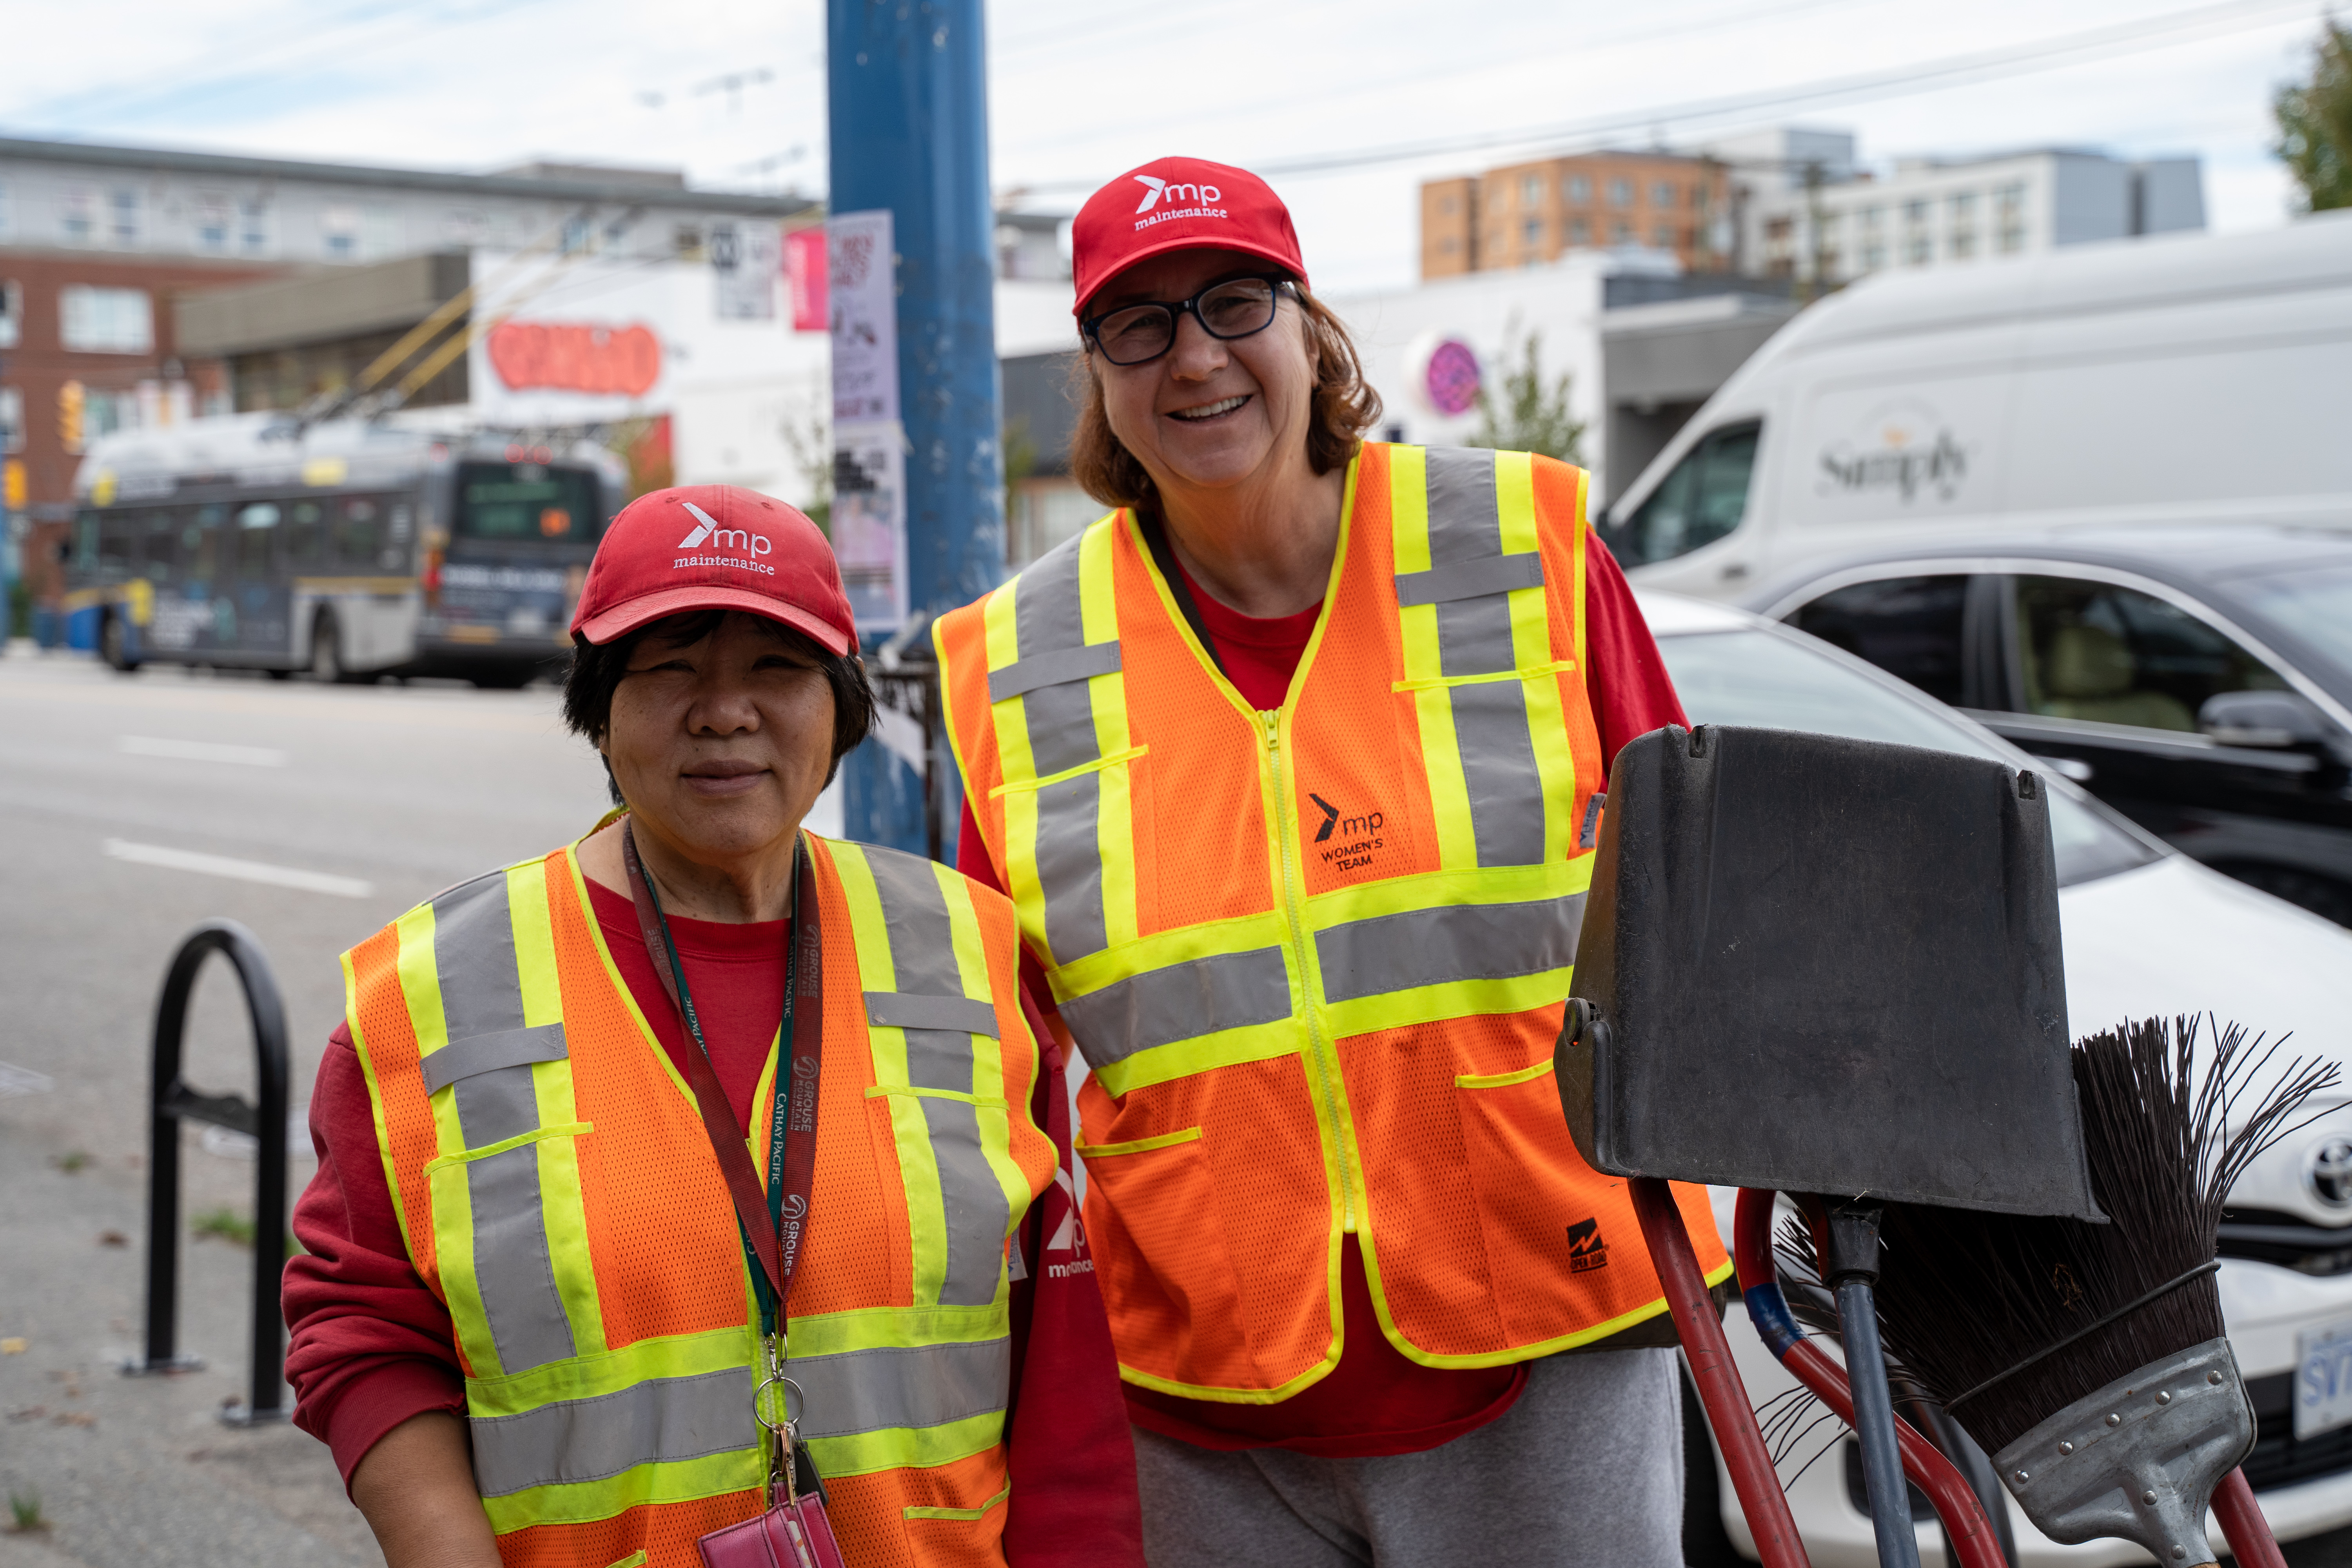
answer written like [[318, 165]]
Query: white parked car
[[2148, 931]]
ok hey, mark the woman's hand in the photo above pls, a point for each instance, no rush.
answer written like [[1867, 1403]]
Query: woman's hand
[[417, 1488]]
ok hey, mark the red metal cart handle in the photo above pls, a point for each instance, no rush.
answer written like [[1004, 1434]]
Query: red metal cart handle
[[1719, 1388]]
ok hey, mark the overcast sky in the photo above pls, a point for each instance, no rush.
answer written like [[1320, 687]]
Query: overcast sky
[[1080, 91]]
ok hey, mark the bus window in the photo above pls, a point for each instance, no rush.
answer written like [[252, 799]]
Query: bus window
[[85, 542], [357, 532], [306, 537], [162, 554], [200, 546], [118, 543], [517, 502], [257, 527]]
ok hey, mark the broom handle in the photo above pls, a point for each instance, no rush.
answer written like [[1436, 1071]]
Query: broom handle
[[2242, 1524], [1765, 1506], [1923, 1463]]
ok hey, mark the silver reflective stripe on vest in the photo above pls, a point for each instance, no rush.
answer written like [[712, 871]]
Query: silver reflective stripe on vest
[[1474, 638], [1180, 1002], [922, 953], [1049, 625], [481, 1003], [897, 1010], [894, 1386], [663, 1420], [487, 1053], [1452, 942], [1470, 579], [1039, 670]]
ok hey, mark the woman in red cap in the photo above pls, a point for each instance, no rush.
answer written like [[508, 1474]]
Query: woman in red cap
[[702, 1180], [1293, 766]]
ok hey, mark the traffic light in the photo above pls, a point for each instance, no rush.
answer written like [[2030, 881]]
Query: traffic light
[[71, 400]]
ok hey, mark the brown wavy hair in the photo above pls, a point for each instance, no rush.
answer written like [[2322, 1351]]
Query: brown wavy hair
[[1344, 407]]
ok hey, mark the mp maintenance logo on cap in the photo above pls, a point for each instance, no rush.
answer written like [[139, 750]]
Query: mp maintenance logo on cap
[[731, 546], [1203, 199]]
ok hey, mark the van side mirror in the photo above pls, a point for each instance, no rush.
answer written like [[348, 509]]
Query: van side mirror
[[2274, 720]]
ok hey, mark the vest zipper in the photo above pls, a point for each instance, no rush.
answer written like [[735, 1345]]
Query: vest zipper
[[1294, 897]]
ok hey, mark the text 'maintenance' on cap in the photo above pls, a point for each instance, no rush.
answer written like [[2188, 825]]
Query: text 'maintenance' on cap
[[714, 547], [1178, 204]]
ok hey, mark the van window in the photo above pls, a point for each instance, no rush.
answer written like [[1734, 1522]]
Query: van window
[[1700, 501], [1908, 627], [2111, 655]]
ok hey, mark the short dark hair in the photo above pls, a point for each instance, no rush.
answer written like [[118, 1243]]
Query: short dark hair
[[597, 668], [1344, 407]]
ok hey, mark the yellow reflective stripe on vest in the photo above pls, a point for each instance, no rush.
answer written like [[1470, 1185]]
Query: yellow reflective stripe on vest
[[1059, 707], [920, 962], [1471, 604], [490, 1031]]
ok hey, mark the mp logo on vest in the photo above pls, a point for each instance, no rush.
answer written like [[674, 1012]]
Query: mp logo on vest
[[1358, 835], [1586, 1250], [743, 545]]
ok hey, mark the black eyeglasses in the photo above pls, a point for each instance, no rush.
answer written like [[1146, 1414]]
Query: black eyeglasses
[[1235, 308]]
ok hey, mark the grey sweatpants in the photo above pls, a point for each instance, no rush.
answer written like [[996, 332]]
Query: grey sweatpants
[[1585, 1471]]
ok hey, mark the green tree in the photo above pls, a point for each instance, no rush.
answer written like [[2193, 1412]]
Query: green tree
[[1532, 414], [2314, 122]]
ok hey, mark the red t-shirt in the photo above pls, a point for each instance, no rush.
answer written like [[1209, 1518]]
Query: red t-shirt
[[1377, 1401], [373, 1345]]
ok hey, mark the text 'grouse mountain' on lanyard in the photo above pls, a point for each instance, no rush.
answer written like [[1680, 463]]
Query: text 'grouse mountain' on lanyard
[[792, 1531]]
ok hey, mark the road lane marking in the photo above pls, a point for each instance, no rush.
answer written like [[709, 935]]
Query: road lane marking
[[201, 752], [242, 870]]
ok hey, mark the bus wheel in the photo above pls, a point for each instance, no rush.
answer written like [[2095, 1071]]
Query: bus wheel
[[114, 644], [327, 651]]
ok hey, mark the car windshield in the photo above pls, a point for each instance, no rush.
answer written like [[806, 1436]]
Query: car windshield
[[1773, 681], [2314, 604]]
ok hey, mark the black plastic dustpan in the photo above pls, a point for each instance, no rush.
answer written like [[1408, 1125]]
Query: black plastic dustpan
[[1829, 966]]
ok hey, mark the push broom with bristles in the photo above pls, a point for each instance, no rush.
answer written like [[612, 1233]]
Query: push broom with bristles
[[2091, 1359]]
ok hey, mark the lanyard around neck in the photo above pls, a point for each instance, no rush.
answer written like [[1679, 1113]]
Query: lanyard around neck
[[774, 1223]]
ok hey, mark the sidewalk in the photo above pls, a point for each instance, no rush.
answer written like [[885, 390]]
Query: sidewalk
[[138, 1470]]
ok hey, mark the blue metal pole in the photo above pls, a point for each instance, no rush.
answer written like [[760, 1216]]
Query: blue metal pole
[[908, 123]]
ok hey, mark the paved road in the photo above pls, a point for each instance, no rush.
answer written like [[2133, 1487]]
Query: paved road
[[376, 798], [389, 793]]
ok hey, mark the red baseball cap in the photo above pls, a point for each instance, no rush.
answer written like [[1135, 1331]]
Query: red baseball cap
[[714, 547], [1178, 204]]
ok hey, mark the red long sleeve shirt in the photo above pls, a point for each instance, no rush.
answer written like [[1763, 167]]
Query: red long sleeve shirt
[[1376, 1400], [373, 1346]]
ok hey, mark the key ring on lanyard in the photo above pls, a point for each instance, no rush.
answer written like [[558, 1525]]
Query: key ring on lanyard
[[786, 1434]]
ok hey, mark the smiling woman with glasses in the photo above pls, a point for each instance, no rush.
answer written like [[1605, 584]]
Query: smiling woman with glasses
[[1293, 768]]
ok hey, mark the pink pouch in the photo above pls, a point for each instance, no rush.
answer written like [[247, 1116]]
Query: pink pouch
[[794, 1535]]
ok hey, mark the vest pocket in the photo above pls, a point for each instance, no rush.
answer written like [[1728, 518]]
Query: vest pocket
[[1546, 1252], [1158, 1241]]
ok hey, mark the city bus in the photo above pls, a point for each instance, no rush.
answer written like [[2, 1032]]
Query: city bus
[[350, 549]]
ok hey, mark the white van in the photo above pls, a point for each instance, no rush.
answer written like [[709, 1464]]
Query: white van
[[2193, 377]]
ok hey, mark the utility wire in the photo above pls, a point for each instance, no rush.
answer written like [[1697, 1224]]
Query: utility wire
[[1981, 65]]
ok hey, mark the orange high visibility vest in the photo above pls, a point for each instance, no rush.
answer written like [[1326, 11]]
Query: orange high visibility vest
[[1316, 957], [557, 1190]]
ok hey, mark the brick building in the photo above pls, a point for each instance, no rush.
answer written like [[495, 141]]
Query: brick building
[[89, 340], [1525, 214]]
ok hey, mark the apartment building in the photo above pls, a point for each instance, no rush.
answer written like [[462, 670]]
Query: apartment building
[[1804, 209], [1525, 215]]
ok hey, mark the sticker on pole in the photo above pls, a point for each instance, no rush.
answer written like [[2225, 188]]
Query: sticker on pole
[[862, 293]]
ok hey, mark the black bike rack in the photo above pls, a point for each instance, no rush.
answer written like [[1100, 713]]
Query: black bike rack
[[174, 1102]]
